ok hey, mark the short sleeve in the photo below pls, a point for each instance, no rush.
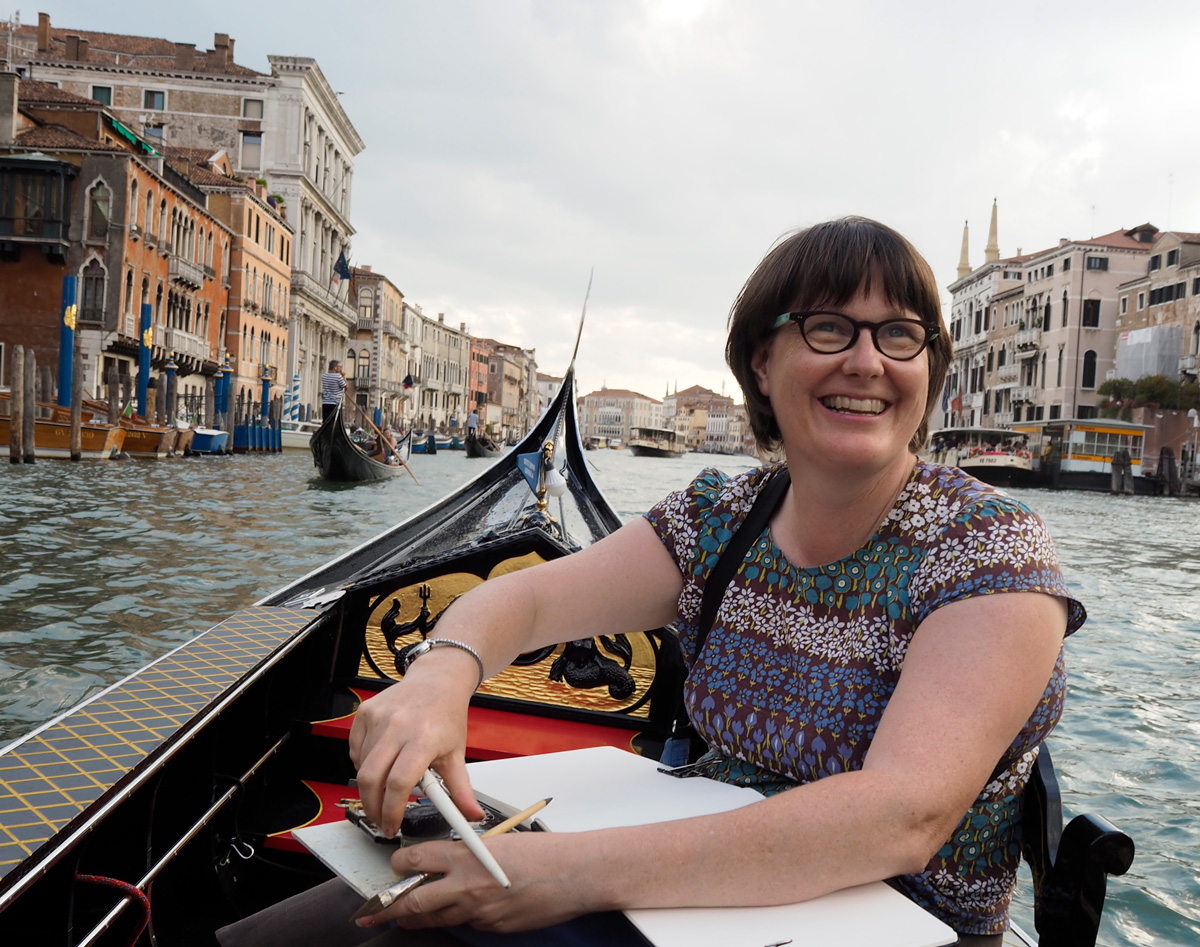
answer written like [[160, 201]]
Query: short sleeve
[[994, 544], [679, 516]]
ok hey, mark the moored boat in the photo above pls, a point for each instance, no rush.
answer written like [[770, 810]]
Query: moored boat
[[52, 435], [655, 442], [297, 435], [207, 440]]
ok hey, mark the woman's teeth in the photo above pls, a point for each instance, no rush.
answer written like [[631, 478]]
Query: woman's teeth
[[854, 405]]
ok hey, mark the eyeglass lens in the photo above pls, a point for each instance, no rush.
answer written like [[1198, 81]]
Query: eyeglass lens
[[830, 332]]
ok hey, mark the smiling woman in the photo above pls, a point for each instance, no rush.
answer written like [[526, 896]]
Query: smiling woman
[[881, 658]]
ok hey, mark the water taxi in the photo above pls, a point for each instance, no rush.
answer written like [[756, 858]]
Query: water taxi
[[656, 442], [998, 456]]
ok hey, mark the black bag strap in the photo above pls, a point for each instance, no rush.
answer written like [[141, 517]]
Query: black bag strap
[[765, 505], [684, 744]]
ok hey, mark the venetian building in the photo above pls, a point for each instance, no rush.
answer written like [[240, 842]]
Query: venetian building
[[84, 195], [376, 360], [255, 330], [286, 129], [1158, 312]]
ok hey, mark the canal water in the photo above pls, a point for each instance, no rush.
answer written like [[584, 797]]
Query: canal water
[[106, 565]]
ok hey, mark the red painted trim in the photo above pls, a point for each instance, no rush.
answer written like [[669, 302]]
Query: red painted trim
[[499, 734]]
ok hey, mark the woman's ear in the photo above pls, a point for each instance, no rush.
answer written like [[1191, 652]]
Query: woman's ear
[[758, 364]]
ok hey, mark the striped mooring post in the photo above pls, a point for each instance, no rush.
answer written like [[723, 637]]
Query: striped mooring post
[[294, 413]]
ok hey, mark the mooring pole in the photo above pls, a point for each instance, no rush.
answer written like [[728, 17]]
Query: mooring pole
[[66, 344], [28, 429], [145, 341], [76, 376], [16, 407]]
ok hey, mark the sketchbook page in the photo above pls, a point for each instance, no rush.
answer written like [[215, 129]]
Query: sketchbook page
[[871, 915], [600, 787], [348, 851], [604, 786]]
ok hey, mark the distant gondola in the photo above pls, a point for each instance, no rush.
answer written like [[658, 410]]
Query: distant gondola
[[338, 458], [481, 446]]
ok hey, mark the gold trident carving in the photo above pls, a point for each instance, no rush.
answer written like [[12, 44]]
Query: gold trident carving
[[69, 316]]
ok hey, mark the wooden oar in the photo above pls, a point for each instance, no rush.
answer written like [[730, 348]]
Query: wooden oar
[[386, 445]]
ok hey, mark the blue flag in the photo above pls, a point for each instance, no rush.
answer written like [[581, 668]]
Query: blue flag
[[341, 267], [530, 466], [946, 395]]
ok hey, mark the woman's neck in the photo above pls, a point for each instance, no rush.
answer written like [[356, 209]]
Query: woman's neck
[[823, 519]]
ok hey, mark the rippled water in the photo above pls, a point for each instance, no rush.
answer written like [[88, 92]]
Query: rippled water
[[104, 566]]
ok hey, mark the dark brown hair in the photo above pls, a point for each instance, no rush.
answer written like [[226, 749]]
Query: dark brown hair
[[828, 264]]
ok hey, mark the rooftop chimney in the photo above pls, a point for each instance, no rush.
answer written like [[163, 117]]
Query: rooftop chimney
[[441, 317], [81, 53], [185, 56], [43, 32], [72, 47], [8, 107]]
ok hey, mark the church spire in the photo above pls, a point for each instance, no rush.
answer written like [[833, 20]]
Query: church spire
[[964, 267], [991, 253]]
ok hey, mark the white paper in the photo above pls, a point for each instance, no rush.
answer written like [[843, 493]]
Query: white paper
[[604, 787]]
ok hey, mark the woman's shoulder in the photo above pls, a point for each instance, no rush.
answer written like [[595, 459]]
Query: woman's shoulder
[[950, 486], [731, 493]]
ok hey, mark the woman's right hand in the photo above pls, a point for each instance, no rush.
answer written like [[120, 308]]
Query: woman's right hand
[[418, 723]]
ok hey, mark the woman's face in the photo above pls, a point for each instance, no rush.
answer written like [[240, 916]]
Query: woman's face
[[855, 410]]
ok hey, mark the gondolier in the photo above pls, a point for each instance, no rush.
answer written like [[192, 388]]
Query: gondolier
[[333, 386]]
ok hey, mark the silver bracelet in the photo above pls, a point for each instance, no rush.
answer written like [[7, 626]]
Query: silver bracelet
[[430, 643]]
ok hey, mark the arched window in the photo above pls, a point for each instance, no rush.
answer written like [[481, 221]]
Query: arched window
[[162, 219], [1000, 358], [99, 206], [366, 304], [149, 219], [1196, 338], [133, 203], [351, 364], [92, 308], [1058, 383], [1089, 369], [1065, 308], [1045, 317], [129, 290]]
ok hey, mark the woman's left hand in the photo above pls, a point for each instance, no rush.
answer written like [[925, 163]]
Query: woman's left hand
[[545, 888]]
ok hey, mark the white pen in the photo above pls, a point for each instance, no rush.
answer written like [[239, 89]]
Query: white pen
[[431, 786]]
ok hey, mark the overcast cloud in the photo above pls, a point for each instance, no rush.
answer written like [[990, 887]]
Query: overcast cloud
[[512, 145]]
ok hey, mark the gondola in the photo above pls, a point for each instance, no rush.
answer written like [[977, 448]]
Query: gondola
[[338, 457], [477, 446], [162, 808]]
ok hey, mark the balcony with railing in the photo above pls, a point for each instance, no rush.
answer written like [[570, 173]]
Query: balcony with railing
[[1187, 364], [185, 272], [1007, 372], [1002, 418], [184, 343], [1023, 394], [366, 324], [390, 328], [312, 289], [1028, 338]]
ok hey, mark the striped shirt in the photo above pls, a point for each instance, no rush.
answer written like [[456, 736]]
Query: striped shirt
[[332, 386]]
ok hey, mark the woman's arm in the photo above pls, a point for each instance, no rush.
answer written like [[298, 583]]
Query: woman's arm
[[974, 673], [627, 582]]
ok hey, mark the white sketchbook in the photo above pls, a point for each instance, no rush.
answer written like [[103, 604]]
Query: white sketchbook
[[604, 787]]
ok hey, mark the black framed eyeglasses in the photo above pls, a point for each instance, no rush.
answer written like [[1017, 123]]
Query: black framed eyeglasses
[[832, 332]]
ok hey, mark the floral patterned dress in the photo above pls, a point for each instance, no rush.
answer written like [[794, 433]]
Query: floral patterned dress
[[800, 662]]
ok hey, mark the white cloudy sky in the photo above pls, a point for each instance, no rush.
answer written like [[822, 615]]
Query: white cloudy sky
[[512, 145]]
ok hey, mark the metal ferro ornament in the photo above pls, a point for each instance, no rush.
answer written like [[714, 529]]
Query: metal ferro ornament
[[69, 316]]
